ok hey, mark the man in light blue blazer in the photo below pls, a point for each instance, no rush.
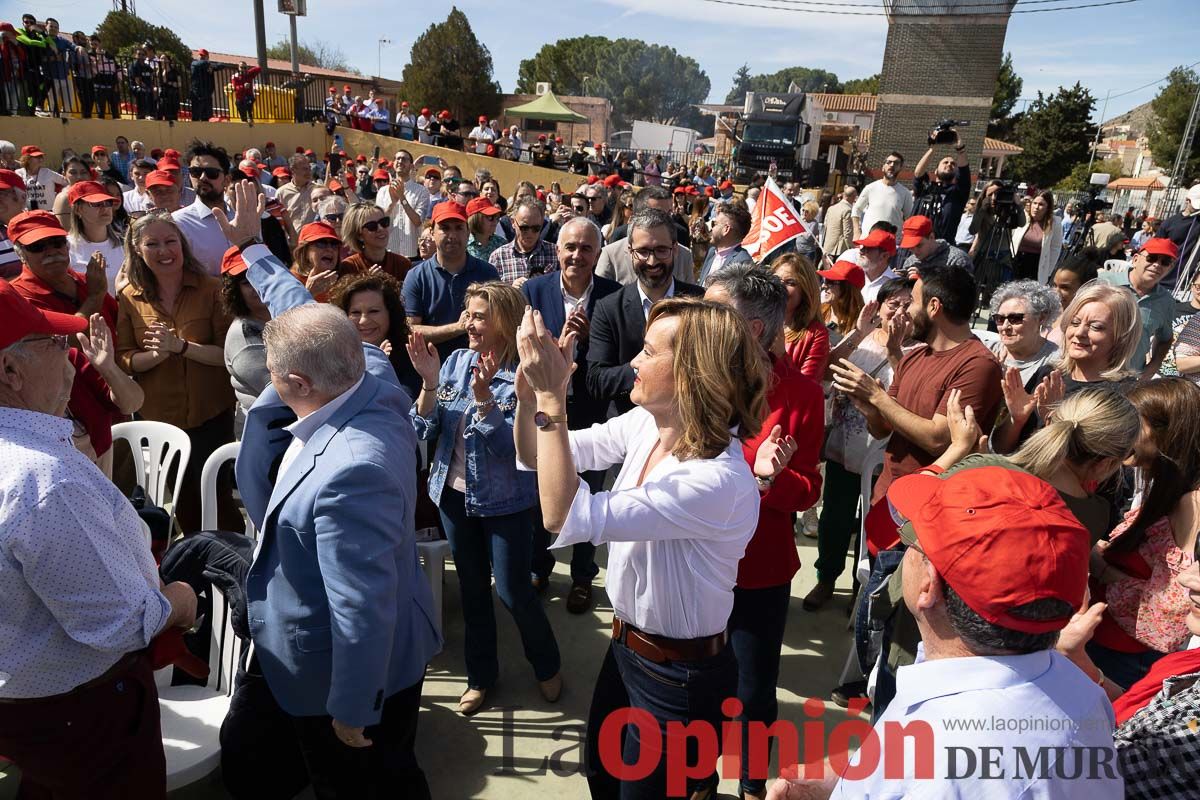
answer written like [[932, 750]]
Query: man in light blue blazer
[[340, 613], [730, 225]]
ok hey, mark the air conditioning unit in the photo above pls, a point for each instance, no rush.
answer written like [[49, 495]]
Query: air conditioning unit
[[831, 116], [542, 88]]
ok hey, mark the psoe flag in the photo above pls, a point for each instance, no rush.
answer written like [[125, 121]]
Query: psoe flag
[[772, 223]]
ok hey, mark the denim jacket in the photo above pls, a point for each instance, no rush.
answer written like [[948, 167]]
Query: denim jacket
[[494, 486]]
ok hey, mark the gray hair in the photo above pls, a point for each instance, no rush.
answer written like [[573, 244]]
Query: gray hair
[[647, 218], [586, 222], [1043, 302], [526, 202], [7, 147], [317, 341], [333, 204], [757, 294], [253, 152], [299, 160]]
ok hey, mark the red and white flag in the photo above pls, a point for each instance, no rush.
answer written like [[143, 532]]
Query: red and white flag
[[773, 223]]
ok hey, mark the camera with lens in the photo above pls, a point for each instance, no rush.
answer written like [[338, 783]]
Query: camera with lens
[[943, 132]]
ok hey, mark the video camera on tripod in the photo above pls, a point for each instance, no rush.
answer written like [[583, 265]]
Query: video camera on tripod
[[1004, 204], [943, 132], [1085, 214]]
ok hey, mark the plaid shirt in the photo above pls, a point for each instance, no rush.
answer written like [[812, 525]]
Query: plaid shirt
[[1158, 748], [513, 264]]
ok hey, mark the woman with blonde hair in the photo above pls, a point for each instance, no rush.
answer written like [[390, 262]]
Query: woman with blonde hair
[[697, 225], [365, 232], [171, 328], [841, 297], [469, 404], [805, 337], [676, 521]]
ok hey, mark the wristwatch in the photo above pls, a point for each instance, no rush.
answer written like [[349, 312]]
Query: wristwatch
[[545, 422], [763, 483]]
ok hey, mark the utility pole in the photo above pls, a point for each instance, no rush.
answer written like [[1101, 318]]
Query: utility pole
[[1099, 129], [260, 34], [379, 55], [295, 46]]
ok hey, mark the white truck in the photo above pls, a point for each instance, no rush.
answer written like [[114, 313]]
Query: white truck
[[655, 136]]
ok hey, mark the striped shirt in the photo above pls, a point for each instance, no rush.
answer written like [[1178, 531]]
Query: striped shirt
[[512, 263]]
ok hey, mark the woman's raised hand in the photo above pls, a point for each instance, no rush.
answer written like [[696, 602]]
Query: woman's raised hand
[[546, 363]]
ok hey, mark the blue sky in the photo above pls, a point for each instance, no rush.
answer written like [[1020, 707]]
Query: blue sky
[[1118, 48]]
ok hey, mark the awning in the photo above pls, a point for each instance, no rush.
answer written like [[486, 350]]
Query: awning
[[546, 107]]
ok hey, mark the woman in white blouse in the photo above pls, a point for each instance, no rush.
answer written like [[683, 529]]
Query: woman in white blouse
[[677, 520]]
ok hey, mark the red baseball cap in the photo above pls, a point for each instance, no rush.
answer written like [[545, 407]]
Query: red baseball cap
[[318, 231], [541, 137], [381, 175], [88, 191], [202, 52], [612, 180], [425, 112], [846, 271], [482, 205], [10, 180], [32, 150], [880, 239], [232, 263], [725, 185], [482, 118], [433, 172], [281, 172], [404, 104], [679, 190], [1160, 246], [558, 139], [360, 157], [999, 536], [99, 148], [915, 229], [333, 90], [159, 178], [593, 179], [19, 318], [33, 226], [171, 152], [448, 210], [168, 165], [309, 152], [249, 172], [335, 186], [444, 113], [346, 87]]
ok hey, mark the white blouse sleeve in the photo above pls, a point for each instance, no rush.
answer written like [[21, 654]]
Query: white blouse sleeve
[[606, 443], [700, 499]]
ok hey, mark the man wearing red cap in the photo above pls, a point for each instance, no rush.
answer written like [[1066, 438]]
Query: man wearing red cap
[[481, 136], [926, 252], [164, 194], [913, 408], [80, 590], [1151, 264], [203, 85], [874, 254], [271, 157], [422, 125], [12, 202], [406, 123], [996, 565]]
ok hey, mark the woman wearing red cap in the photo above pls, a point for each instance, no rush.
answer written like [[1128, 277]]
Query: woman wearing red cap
[[170, 337], [75, 169], [92, 230], [42, 184], [841, 297], [317, 259], [482, 218]]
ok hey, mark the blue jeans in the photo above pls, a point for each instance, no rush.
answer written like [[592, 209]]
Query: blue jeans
[[680, 691], [1123, 669], [583, 555], [756, 628], [481, 545]]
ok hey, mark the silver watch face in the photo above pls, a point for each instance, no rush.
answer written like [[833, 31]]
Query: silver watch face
[[541, 419]]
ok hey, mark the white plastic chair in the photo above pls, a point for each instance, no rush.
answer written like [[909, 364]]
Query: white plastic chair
[[192, 715], [155, 446], [433, 555], [208, 487]]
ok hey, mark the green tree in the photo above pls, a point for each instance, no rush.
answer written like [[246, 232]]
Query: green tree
[[1077, 181], [806, 79], [741, 85], [862, 85], [452, 69], [1002, 122], [1055, 133], [312, 54], [122, 33], [642, 81], [1171, 109]]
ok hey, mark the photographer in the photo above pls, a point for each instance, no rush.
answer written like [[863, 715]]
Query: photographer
[[943, 197], [997, 215]]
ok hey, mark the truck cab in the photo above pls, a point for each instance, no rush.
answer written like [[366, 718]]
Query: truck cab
[[771, 129]]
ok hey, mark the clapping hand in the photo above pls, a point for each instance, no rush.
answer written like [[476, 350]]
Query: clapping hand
[[248, 206], [321, 282], [857, 384], [425, 359], [899, 330], [161, 340], [97, 276], [868, 318], [966, 436], [1021, 403], [1048, 394], [547, 363], [578, 323], [386, 347], [96, 343], [774, 453], [481, 377]]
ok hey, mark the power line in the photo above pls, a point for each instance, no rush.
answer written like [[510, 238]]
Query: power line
[[883, 14], [948, 3], [1151, 83]]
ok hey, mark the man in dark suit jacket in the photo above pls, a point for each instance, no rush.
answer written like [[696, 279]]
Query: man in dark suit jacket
[[575, 285], [730, 227], [619, 322]]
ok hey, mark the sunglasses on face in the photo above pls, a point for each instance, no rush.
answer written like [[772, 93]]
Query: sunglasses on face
[[1011, 319], [60, 342], [211, 173], [376, 224], [55, 242], [468, 195], [529, 228], [333, 217], [1154, 258]]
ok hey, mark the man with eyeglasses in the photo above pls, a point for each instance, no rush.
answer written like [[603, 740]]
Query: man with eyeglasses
[[1156, 305], [617, 263], [407, 203], [619, 322], [81, 594], [528, 254], [884, 199], [208, 167]]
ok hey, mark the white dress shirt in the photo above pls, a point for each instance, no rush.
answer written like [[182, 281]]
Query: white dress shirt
[[674, 542], [78, 585], [136, 202], [571, 303], [647, 303], [402, 233], [1020, 705], [303, 428], [871, 289], [203, 235]]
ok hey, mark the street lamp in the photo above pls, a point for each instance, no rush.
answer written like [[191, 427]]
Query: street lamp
[[379, 53]]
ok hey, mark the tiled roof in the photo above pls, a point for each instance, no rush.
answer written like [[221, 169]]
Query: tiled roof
[[997, 146], [286, 66], [1136, 183], [858, 103]]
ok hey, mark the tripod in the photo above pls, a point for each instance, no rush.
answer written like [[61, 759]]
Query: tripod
[[996, 260]]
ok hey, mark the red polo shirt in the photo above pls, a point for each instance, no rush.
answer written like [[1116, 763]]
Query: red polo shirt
[[90, 403], [797, 404]]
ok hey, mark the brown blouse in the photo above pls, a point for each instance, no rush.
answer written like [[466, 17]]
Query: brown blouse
[[179, 391], [394, 264]]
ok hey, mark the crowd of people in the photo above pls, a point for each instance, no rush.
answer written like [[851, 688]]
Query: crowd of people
[[594, 366]]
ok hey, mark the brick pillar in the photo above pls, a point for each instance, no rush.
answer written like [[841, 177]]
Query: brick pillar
[[936, 66]]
